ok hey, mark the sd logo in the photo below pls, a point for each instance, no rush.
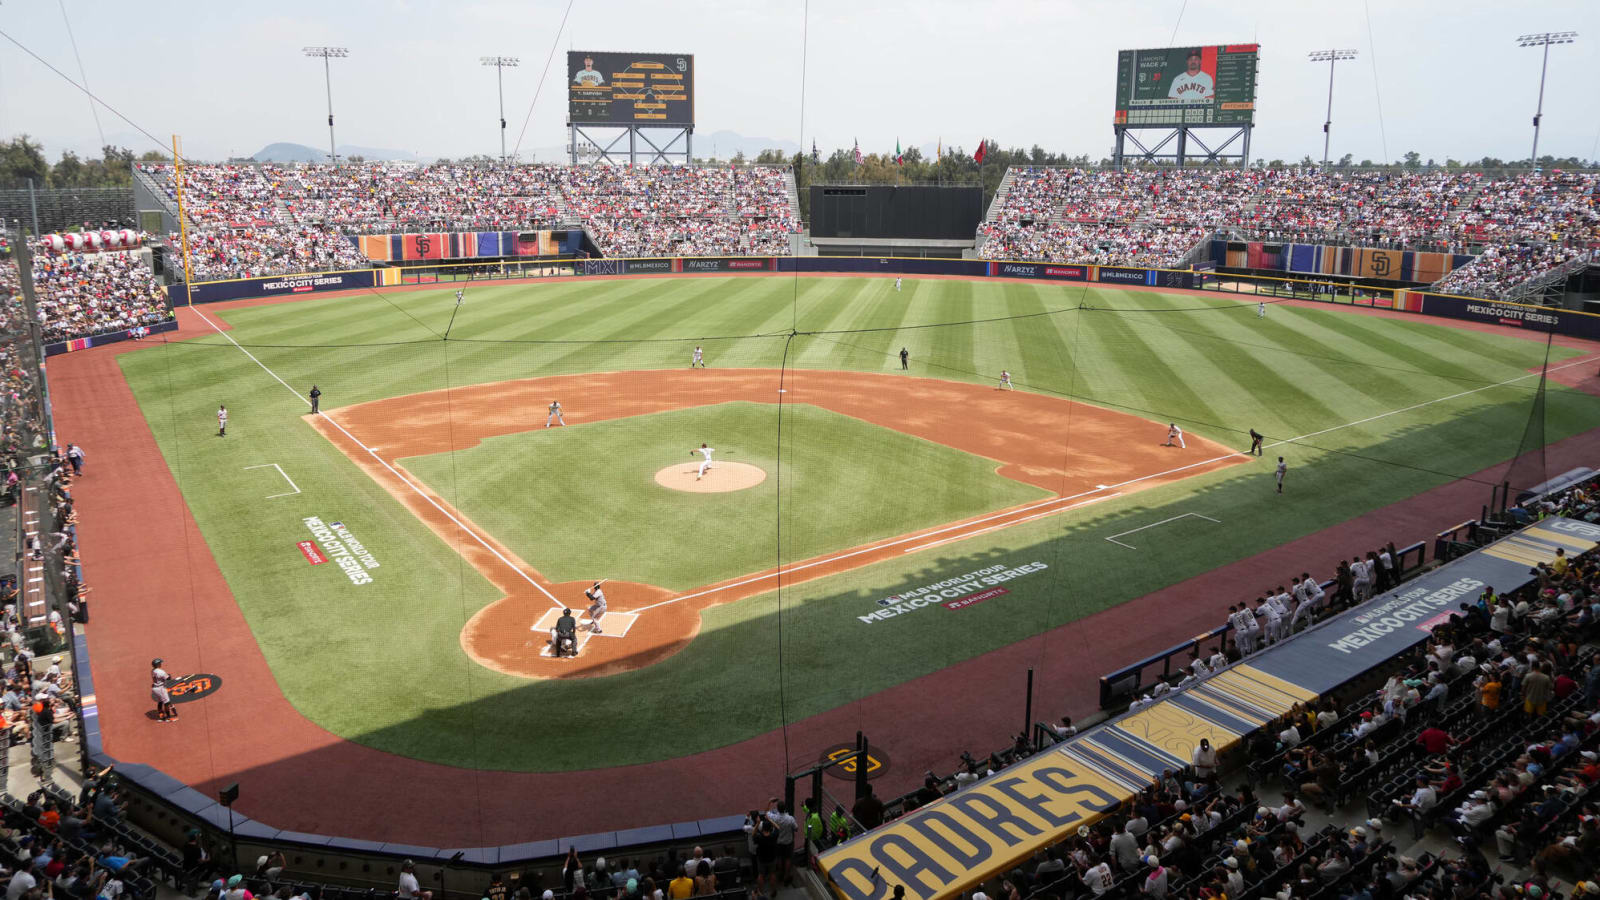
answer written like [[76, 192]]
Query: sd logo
[[876, 761], [193, 687]]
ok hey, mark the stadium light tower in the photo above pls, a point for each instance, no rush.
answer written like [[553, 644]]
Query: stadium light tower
[[1330, 57], [327, 53], [501, 63], [1543, 40]]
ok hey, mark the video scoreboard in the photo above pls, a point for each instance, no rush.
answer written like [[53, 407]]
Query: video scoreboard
[[630, 89], [1187, 86]]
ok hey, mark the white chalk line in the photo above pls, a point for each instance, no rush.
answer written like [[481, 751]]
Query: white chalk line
[[295, 489], [1113, 538], [854, 553], [403, 480]]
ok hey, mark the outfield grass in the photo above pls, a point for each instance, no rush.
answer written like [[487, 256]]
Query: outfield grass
[[1205, 362], [571, 501]]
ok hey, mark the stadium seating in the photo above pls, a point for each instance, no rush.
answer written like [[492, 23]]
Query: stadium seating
[[1525, 225], [269, 219], [83, 294]]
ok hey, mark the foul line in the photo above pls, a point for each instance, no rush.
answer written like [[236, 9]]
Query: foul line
[[1113, 538], [403, 480], [280, 472]]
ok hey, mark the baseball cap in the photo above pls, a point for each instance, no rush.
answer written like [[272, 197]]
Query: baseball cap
[[1590, 755], [1152, 860], [1231, 862]]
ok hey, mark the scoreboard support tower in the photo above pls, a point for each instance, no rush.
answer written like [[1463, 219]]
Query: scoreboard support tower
[[665, 151], [1180, 136]]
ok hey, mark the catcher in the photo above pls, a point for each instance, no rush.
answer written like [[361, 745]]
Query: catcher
[[597, 605]]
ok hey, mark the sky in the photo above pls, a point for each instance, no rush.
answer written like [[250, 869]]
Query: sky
[[1445, 79]]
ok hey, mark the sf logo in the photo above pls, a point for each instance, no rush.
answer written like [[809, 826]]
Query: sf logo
[[850, 764], [423, 244], [186, 687]]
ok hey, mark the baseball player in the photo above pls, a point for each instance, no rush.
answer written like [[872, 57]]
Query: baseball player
[[1192, 84], [222, 421], [597, 605], [564, 636], [1244, 628], [1270, 619], [555, 413], [698, 359], [460, 295], [705, 464], [1279, 473], [1005, 381], [158, 692], [897, 284], [1261, 310], [1174, 433], [1255, 442]]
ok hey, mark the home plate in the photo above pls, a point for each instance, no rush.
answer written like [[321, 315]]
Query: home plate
[[616, 624]]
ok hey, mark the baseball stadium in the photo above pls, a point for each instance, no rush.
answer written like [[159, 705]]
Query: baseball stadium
[[637, 524]]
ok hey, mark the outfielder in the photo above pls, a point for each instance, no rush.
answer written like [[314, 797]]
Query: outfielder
[[460, 295], [1261, 310], [222, 421], [1282, 469], [698, 359], [1174, 433], [705, 464], [555, 413], [897, 285], [1005, 381], [597, 605]]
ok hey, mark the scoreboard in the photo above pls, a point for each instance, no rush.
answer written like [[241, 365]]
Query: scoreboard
[[630, 89], [1187, 86]]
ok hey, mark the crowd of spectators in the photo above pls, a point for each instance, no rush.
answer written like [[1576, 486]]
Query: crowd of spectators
[[1521, 225], [274, 219], [1486, 738], [80, 294], [20, 418]]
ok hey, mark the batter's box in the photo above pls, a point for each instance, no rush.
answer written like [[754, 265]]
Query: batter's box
[[615, 625]]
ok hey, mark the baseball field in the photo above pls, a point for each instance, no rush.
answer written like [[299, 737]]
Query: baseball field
[[400, 557]]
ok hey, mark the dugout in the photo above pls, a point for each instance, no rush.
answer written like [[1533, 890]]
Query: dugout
[[921, 220]]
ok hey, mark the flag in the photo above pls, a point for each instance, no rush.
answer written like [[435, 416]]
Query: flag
[[858, 153], [983, 147], [899, 158]]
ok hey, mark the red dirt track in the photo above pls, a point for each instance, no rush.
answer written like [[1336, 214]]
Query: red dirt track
[[159, 592], [1107, 448]]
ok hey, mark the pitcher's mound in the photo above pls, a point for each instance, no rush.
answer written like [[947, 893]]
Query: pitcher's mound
[[720, 478]]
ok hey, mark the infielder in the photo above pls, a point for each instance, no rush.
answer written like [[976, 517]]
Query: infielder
[[1174, 433], [597, 605], [1282, 468], [555, 413], [1005, 381], [705, 464], [222, 421], [698, 359]]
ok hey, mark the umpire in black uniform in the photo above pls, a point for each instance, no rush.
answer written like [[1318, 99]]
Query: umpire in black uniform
[[316, 397]]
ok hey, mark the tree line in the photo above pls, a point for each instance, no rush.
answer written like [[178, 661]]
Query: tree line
[[22, 159]]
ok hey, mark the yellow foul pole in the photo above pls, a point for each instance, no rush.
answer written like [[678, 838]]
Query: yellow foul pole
[[183, 221]]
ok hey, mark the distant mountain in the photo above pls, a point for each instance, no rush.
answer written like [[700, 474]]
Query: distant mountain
[[287, 152]]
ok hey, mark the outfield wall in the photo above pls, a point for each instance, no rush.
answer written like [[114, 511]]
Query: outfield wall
[[1519, 315]]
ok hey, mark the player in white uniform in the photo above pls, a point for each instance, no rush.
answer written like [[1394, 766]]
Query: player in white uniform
[[698, 359], [555, 413], [1005, 381], [1192, 84], [1243, 622], [460, 295], [1273, 623], [158, 692], [897, 285], [597, 605], [1279, 473], [222, 421], [1174, 433], [705, 464], [1261, 310]]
